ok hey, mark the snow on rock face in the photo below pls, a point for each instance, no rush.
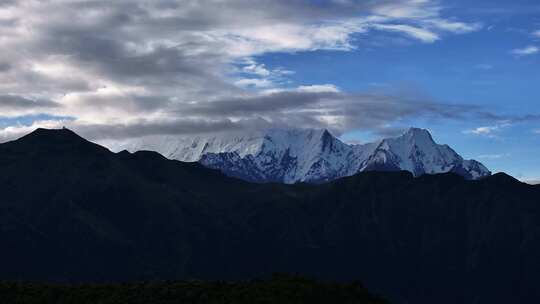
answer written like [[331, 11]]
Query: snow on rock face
[[291, 156]]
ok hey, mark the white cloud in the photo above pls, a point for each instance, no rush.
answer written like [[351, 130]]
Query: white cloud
[[253, 67], [316, 88], [529, 50], [413, 9], [425, 21], [483, 130], [287, 37], [489, 131], [536, 33], [421, 34], [259, 75], [454, 26], [320, 88]]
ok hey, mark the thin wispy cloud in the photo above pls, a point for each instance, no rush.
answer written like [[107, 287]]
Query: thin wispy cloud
[[454, 26], [493, 156], [492, 131], [484, 66], [528, 50], [486, 130], [421, 34]]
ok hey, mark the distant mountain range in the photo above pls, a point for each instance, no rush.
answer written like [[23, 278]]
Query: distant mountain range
[[71, 210], [291, 156]]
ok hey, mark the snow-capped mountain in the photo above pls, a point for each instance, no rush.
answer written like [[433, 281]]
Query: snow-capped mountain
[[291, 156]]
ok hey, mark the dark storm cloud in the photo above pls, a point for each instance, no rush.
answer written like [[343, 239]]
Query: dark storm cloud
[[13, 102], [7, 3], [353, 110], [260, 105], [112, 57], [5, 66], [293, 109]]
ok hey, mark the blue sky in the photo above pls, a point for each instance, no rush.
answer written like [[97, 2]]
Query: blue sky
[[465, 70]]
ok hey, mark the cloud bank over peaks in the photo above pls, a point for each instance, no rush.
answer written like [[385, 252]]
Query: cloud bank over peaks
[[191, 66]]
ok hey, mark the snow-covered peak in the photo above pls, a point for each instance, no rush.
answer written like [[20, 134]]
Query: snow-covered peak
[[418, 136], [309, 155], [298, 141]]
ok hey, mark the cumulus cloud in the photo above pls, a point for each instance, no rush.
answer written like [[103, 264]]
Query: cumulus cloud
[[127, 68]]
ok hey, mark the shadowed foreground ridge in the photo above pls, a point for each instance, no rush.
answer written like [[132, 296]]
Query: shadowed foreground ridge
[[279, 289], [72, 211]]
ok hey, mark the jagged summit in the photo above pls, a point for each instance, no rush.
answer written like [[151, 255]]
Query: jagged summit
[[418, 134], [308, 155], [418, 131]]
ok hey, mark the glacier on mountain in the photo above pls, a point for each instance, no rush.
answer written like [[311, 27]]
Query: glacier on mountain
[[307, 155]]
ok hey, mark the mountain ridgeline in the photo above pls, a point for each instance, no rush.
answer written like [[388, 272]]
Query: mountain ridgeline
[[315, 156], [72, 211]]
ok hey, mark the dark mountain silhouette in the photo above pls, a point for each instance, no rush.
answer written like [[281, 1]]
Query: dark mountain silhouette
[[70, 210]]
